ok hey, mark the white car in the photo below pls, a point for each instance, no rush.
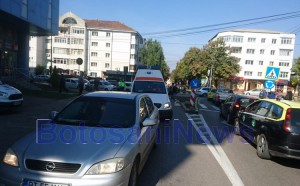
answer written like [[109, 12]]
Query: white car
[[103, 85], [10, 97], [253, 92], [72, 83], [203, 91]]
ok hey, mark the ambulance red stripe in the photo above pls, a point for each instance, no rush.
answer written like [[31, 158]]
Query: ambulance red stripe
[[148, 79]]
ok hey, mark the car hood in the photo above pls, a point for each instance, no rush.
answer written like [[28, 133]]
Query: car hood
[[159, 98], [87, 145], [9, 89]]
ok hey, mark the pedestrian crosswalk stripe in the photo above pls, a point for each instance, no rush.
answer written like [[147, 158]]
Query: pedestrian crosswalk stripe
[[216, 108], [203, 106]]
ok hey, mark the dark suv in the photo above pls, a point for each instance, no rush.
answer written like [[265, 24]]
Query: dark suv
[[274, 126]]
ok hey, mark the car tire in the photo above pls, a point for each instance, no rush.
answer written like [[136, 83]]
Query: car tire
[[248, 94], [133, 174], [236, 127], [262, 147]]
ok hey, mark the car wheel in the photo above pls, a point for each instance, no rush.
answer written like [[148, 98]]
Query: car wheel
[[134, 174], [262, 147], [248, 94], [236, 127]]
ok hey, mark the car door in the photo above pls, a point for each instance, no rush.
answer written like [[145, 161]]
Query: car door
[[226, 105], [245, 119]]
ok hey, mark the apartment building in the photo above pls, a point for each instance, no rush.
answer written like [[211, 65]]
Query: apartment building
[[256, 50], [104, 46]]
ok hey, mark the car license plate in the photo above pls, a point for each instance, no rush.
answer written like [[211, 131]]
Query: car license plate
[[17, 103], [38, 183]]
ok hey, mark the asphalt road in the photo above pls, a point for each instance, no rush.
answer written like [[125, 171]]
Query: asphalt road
[[199, 151]]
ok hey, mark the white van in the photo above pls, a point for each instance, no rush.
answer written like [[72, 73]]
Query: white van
[[151, 81]]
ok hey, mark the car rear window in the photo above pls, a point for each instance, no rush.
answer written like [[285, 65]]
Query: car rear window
[[149, 87], [295, 120]]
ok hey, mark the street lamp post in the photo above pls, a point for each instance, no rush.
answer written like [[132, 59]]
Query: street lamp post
[[211, 75]]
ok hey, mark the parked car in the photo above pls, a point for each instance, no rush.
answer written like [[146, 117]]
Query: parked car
[[103, 85], [233, 104], [273, 126], [41, 78], [211, 94], [10, 97], [72, 83], [128, 86], [253, 92], [203, 91], [221, 95], [128, 122]]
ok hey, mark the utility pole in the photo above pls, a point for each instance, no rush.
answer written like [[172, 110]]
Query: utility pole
[[210, 75]]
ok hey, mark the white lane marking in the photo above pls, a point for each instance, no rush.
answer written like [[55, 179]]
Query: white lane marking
[[217, 108], [203, 106], [219, 154]]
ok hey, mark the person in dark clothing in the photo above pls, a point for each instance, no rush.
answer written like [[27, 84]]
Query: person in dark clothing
[[289, 95], [62, 84], [80, 84], [96, 84]]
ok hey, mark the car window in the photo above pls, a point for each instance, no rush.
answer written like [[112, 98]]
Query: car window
[[295, 120], [252, 108], [263, 108], [227, 99], [275, 112], [149, 104], [143, 112], [232, 98], [246, 101], [98, 111]]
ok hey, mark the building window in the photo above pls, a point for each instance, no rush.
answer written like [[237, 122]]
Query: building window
[[237, 39], [259, 74], [284, 64], [262, 51], [60, 40], [107, 34], [93, 74], [247, 73], [93, 64], [107, 44], [273, 41], [283, 74], [236, 50], [284, 52], [132, 56], [263, 40], [251, 40], [272, 52], [107, 55], [61, 51], [249, 62], [78, 31], [76, 41], [94, 43], [271, 63], [94, 33], [286, 41], [132, 46], [250, 51], [95, 54], [261, 62], [106, 65]]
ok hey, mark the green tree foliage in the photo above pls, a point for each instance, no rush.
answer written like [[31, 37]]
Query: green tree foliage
[[39, 70], [152, 55], [54, 78], [296, 69], [196, 63]]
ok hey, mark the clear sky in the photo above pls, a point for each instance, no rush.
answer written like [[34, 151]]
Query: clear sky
[[150, 16]]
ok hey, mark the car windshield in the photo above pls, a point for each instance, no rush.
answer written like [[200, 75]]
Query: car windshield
[[98, 112], [149, 87], [295, 120]]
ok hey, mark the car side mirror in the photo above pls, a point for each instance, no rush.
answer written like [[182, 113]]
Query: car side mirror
[[149, 122], [53, 114]]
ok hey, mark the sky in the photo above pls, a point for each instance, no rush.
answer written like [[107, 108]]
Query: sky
[[152, 16]]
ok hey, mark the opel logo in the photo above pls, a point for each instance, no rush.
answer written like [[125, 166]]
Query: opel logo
[[50, 166]]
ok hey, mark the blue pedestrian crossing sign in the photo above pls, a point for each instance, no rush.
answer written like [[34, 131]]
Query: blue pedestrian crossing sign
[[194, 83], [272, 73]]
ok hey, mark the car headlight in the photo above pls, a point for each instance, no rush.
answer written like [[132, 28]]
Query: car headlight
[[3, 94], [107, 167], [167, 105], [11, 158]]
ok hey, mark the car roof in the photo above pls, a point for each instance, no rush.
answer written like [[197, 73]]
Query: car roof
[[284, 103], [114, 94], [245, 96]]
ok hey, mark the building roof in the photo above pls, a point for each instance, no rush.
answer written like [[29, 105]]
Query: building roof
[[107, 25]]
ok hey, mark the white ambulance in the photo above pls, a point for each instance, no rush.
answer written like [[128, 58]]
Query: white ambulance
[[150, 80]]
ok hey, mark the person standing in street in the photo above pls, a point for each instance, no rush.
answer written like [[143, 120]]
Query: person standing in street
[[62, 84], [80, 84], [289, 94], [96, 84]]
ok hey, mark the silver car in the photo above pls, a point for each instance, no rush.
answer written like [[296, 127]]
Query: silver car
[[98, 139]]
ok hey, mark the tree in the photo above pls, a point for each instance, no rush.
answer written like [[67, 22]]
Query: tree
[[39, 70], [295, 81], [152, 55]]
